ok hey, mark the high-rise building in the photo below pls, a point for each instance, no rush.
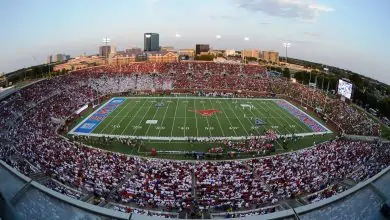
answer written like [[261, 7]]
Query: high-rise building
[[59, 57], [49, 59], [202, 48], [271, 56], [250, 53], [104, 51], [151, 42]]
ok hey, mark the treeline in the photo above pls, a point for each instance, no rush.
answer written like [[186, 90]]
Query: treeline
[[318, 66], [33, 72], [367, 93]]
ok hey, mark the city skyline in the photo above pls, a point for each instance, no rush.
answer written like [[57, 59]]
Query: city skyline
[[349, 34]]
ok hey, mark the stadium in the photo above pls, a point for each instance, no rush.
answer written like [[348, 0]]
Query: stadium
[[188, 140]]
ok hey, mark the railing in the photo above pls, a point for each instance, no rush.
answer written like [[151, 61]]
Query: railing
[[104, 212]]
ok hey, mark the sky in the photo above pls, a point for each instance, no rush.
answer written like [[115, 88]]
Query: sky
[[350, 34]]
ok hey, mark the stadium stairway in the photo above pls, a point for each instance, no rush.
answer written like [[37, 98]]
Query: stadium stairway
[[21, 192], [348, 183], [193, 190], [379, 193], [40, 177], [127, 176], [86, 196]]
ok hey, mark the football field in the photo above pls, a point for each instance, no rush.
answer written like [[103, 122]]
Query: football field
[[180, 118]]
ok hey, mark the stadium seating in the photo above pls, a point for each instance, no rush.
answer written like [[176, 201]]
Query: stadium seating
[[30, 142]]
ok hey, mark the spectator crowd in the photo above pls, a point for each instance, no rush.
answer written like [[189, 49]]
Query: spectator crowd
[[30, 119]]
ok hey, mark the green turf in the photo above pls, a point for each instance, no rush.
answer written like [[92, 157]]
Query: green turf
[[179, 119], [144, 148]]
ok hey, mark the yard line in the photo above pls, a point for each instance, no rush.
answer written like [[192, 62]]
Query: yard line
[[146, 112], [252, 122], [231, 125], [179, 117], [208, 124], [196, 119], [109, 122], [283, 118], [146, 133], [276, 122], [173, 124], [185, 116], [216, 115], [158, 134], [290, 116], [238, 119], [132, 118]]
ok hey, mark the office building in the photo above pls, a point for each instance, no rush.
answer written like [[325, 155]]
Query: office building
[[230, 52], [162, 57], [57, 58], [271, 56], [104, 51], [217, 53], [151, 42], [202, 49], [250, 53], [134, 50], [187, 52], [49, 59]]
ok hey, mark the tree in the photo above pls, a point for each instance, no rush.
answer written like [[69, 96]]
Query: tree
[[205, 57], [286, 73]]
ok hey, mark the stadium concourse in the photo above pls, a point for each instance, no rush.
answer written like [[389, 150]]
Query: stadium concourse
[[30, 143]]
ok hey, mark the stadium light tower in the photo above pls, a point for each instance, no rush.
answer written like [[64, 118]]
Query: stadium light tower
[[286, 45], [106, 40]]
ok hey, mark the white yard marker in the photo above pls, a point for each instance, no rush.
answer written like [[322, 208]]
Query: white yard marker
[[196, 120], [173, 124], [166, 110], [216, 115], [285, 112], [113, 117], [146, 112], [134, 116], [231, 125], [208, 124], [185, 116], [238, 119], [146, 134]]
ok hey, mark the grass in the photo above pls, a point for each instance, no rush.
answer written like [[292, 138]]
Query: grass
[[180, 117], [144, 148]]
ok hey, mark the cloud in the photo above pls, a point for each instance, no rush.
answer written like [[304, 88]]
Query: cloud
[[215, 17], [299, 9], [265, 22]]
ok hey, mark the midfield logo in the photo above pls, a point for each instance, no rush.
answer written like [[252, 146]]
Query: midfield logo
[[206, 112]]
